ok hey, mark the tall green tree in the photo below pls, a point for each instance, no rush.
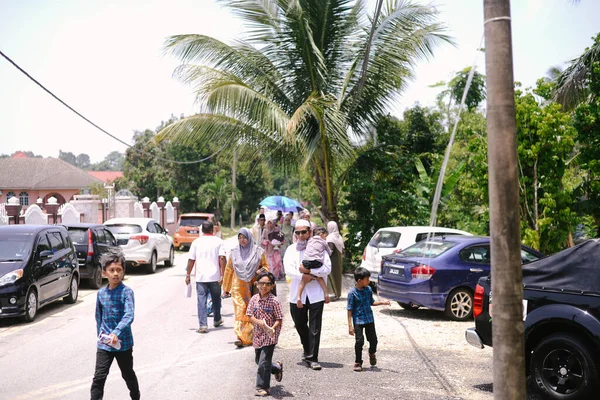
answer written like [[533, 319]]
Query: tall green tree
[[218, 193], [309, 74]]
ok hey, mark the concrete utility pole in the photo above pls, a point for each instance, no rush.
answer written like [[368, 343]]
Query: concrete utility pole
[[507, 287]]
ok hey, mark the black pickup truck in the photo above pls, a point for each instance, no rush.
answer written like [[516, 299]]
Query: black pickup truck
[[561, 298]]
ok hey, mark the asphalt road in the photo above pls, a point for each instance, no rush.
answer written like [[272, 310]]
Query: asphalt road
[[421, 355]]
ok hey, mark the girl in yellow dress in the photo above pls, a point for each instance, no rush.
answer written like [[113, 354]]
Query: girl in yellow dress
[[245, 262]]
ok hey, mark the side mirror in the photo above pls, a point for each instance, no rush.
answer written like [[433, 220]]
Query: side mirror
[[166, 231], [44, 254]]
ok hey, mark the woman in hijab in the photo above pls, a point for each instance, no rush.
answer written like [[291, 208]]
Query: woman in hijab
[[288, 233], [272, 239], [336, 244], [244, 264]]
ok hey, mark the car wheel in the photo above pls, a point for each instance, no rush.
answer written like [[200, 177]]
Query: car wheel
[[562, 367], [409, 306], [31, 306], [73, 291], [169, 262], [151, 268], [459, 306], [96, 281]]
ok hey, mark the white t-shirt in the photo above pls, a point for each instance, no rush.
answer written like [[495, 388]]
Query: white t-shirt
[[291, 262], [206, 251]]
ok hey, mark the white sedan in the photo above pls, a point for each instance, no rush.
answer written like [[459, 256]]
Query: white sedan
[[143, 241]]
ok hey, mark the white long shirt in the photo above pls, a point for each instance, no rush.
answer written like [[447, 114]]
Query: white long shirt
[[312, 290]]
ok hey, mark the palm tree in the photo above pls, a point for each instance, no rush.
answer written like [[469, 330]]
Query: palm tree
[[219, 192], [572, 86], [309, 78]]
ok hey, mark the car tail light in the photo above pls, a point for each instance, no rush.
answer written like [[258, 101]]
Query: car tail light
[[141, 238], [478, 300], [396, 251], [365, 254], [90, 244], [422, 272]]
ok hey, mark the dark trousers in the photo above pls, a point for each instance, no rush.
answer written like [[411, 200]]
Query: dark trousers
[[266, 367], [308, 320], [104, 360], [369, 330]]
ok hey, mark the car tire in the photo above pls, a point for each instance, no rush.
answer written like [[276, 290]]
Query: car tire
[[73, 291], [151, 267], [169, 262], [459, 305], [409, 306], [96, 281], [31, 306], [566, 358]]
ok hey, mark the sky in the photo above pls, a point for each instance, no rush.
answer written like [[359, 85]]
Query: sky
[[104, 58]]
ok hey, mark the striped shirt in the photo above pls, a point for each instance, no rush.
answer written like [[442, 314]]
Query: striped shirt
[[114, 314], [269, 309], [359, 302]]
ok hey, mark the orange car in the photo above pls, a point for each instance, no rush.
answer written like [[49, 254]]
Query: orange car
[[188, 228]]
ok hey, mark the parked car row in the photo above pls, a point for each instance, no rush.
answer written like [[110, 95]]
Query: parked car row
[[43, 263]]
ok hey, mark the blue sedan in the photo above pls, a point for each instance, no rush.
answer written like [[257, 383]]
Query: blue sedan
[[440, 274]]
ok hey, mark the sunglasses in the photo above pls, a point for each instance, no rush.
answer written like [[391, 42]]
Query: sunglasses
[[264, 283], [300, 232]]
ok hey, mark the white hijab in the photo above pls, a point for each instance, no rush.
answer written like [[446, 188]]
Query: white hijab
[[246, 259], [333, 236]]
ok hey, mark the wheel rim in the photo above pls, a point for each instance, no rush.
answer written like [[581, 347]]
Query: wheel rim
[[31, 305], [562, 371], [74, 288], [461, 305], [99, 276]]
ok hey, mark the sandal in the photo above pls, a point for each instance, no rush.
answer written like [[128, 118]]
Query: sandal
[[261, 393], [279, 375], [238, 344]]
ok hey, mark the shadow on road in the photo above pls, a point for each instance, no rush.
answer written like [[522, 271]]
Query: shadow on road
[[424, 314]]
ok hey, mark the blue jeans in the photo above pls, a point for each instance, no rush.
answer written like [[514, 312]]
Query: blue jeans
[[202, 289]]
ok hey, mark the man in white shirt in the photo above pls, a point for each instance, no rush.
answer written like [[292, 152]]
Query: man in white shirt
[[208, 254], [308, 319]]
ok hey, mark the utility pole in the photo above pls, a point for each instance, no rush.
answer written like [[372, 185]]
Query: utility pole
[[233, 184], [507, 280]]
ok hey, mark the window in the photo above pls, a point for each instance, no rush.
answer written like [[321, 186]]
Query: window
[[385, 239], [110, 239], [56, 241], [158, 228], [42, 244], [24, 198], [151, 228], [9, 195], [476, 254]]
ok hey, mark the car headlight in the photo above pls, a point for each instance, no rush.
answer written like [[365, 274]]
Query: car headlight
[[11, 277]]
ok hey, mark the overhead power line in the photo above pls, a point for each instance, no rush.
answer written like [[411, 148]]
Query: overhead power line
[[98, 127]]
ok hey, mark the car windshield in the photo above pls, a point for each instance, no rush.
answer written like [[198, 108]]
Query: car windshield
[[79, 235], [385, 239], [428, 249], [15, 247], [192, 221], [124, 229]]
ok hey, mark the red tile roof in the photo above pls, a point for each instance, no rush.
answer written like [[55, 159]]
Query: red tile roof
[[106, 176]]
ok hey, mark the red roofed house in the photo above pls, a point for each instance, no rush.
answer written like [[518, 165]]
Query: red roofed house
[[31, 178], [106, 176]]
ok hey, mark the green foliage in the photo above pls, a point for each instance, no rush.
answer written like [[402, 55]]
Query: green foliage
[[218, 194], [476, 93], [545, 142]]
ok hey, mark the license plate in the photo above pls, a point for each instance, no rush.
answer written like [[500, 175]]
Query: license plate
[[396, 271], [193, 232]]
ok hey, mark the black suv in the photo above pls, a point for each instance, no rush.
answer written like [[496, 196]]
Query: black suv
[[38, 264], [91, 242]]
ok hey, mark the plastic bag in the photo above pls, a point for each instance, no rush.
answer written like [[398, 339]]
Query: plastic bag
[[188, 290], [209, 304]]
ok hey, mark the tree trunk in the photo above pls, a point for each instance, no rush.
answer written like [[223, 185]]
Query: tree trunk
[[328, 200], [507, 333], [233, 185]]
